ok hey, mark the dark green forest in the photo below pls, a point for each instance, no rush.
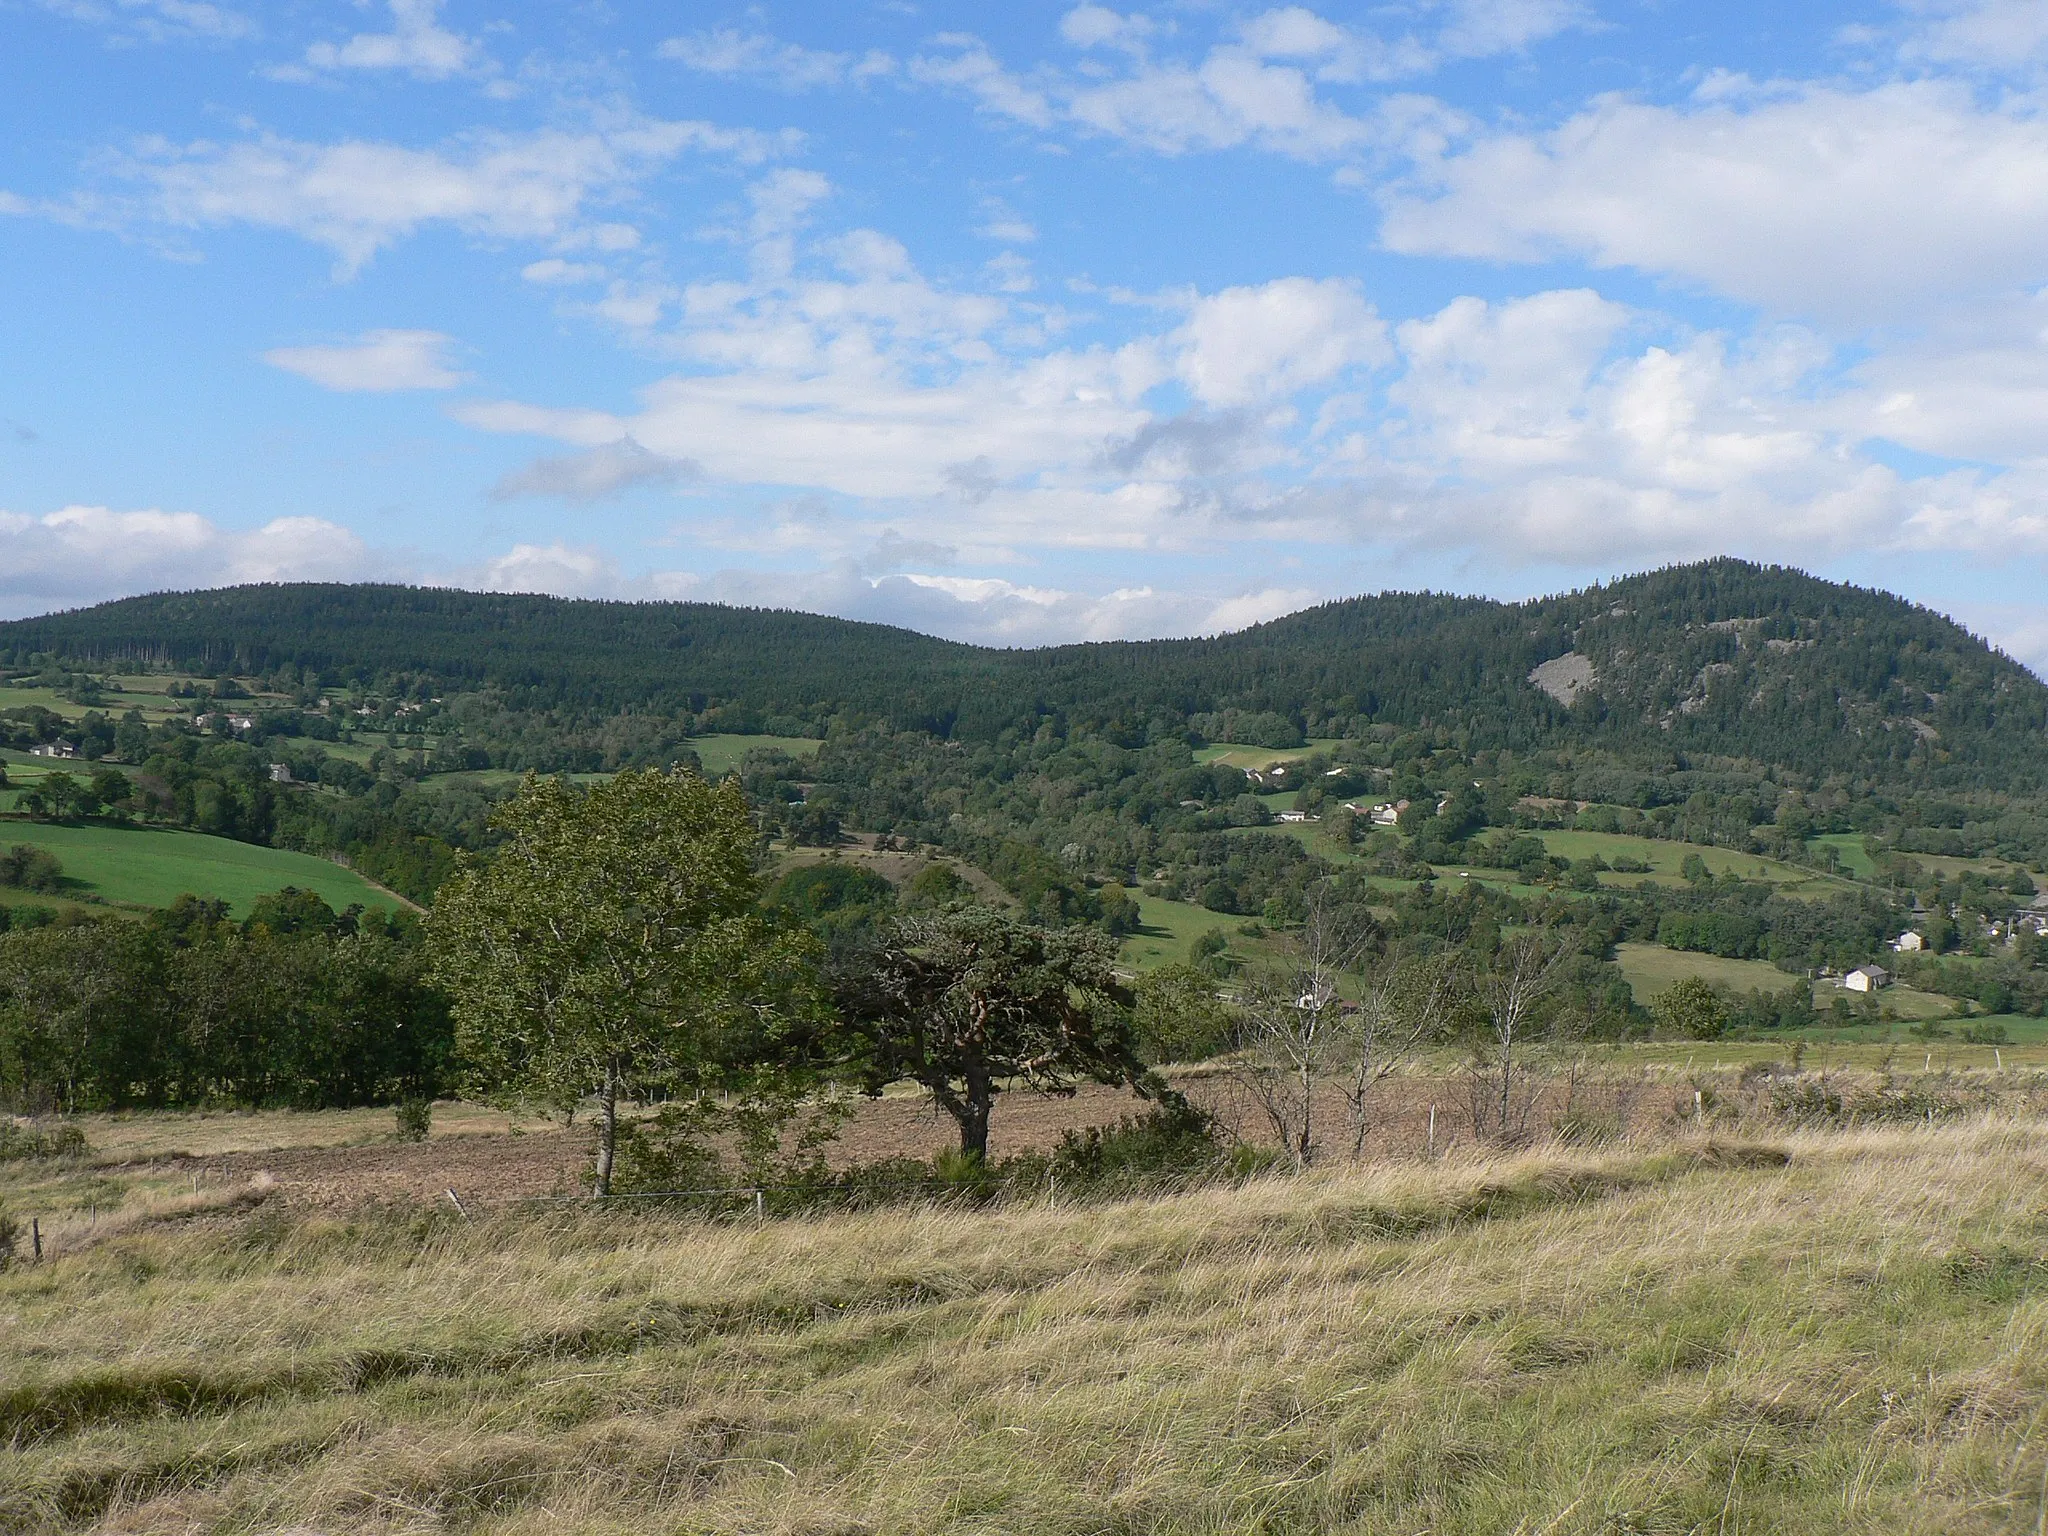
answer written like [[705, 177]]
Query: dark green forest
[[1723, 660], [1852, 740]]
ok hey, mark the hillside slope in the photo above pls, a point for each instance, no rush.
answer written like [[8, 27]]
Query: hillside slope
[[1723, 658], [1576, 1343]]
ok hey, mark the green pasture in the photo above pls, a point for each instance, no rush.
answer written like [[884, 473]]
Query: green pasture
[[1651, 968], [1667, 858], [1236, 754], [152, 867], [1169, 927], [1849, 849], [721, 754]]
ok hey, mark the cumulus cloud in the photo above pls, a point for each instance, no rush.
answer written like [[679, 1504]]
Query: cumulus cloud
[[157, 20], [969, 67], [2000, 35], [732, 53], [595, 473], [979, 610], [1264, 87], [1849, 205], [82, 554], [1259, 343], [417, 43], [357, 197], [376, 361]]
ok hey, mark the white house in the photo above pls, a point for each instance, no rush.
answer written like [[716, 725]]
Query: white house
[[1866, 978], [1388, 815], [54, 749], [1909, 943], [280, 773]]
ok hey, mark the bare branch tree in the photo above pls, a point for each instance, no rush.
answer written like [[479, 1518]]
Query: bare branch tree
[[1404, 1007], [1502, 1081], [1292, 1029]]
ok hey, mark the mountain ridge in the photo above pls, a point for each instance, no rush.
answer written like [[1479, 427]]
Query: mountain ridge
[[1722, 657]]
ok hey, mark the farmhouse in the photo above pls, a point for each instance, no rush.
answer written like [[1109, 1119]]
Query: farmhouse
[[1866, 978], [1909, 943], [54, 749]]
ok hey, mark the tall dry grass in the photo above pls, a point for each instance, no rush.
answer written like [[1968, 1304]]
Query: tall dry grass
[[1706, 1338]]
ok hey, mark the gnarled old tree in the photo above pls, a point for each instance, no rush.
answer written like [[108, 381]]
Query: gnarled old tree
[[974, 1001], [614, 942]]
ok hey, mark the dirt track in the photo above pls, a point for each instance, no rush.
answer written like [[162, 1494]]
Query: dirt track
[[486, 1169], [490, 1168]]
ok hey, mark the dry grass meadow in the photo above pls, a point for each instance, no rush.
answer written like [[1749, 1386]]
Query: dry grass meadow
[[1799, 1332]]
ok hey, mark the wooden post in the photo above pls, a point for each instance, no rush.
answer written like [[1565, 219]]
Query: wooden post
[[760, 1205], [456, 1200], [35, 1236], [1432, 1130]]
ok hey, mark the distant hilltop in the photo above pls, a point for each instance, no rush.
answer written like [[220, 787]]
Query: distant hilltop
[[1764, 665]]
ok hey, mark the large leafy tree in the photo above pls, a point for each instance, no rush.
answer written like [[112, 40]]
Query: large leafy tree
[[614, 942], [974, 1001]]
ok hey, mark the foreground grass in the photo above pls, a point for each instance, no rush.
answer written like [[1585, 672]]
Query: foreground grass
[[1623, 1342]]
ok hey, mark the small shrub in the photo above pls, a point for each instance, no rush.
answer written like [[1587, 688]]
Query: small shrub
[[414, 1118], [29, 868], [1174, 1142], [1986, 1034], [10, 1236], [21, 1142]]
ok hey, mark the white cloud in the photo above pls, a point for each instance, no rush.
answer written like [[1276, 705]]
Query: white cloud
[[555, 271], [1479, 29], [1994, 34], [375, 361], [416, 43], [1096, 26], [85, 554], [1233, 97], [979, 610], [1852, 205], [1245, 345], [357, 197], [157, 20], [971, 68], [732, 53], [595, 473]]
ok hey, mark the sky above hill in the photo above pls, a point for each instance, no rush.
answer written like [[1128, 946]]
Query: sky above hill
[[1026, 322]]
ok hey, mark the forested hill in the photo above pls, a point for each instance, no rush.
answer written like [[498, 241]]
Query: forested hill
[[1722, 659]]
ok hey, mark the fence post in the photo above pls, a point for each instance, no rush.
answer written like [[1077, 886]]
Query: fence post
[[760, 1205], [456, 1200], [1432, 1130], [35, 1236]]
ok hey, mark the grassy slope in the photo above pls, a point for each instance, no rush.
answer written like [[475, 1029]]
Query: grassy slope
[[1169, 928], [153, 867], [1650, 968], [1564, 1343], [1235, 754], [721, 755]]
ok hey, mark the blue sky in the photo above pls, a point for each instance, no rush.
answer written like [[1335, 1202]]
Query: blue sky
[[1024, 323]]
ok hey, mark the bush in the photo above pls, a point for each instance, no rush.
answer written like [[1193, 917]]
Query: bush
[[1173, 1143], [22, 1143], [29, 868], [414, 1118]]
